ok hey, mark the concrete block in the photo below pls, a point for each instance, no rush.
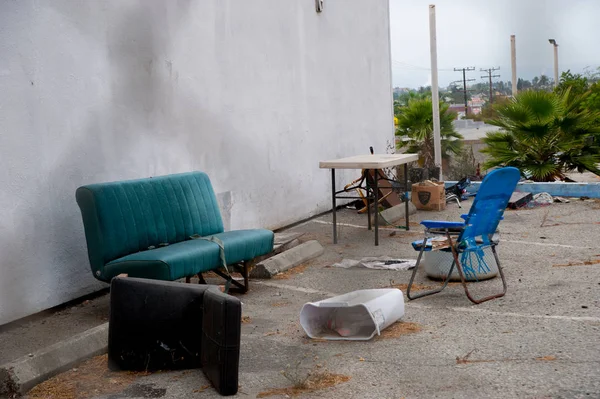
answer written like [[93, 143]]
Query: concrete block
[[286, 237], [282, 242], [19, 376], [396, 213], [287, 259]]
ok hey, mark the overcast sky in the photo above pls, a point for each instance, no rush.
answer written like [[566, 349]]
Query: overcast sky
[[477, 33]]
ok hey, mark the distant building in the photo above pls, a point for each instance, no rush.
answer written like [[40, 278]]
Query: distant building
[[476, 104], [459, 109], [473, 130], [401, 90]]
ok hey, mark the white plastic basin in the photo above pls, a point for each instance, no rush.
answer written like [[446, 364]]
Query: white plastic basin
[[357, 315]]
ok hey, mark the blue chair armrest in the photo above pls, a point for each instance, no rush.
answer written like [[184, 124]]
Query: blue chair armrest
[[442, 224]]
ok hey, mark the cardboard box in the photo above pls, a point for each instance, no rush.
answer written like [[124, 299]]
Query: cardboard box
[[429, 196]]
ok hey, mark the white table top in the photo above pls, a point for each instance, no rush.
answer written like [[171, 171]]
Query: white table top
[[369, 161]]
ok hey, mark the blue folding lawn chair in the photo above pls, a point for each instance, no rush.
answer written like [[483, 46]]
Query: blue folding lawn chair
[[472, 236]]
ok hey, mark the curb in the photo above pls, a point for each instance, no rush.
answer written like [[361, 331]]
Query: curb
[[282, 242], [288, 259], [560, 189], [19, 376], [396, 213]]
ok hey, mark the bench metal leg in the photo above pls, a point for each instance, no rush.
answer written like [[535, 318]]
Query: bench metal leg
[[237, 286], [247, 266]]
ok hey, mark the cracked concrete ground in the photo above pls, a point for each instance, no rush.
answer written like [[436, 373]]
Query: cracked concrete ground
[[540, 341]]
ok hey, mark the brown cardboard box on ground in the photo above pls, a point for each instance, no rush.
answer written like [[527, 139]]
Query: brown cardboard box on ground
[[429, 196]]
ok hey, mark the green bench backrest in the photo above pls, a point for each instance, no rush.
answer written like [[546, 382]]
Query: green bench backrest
[[125, 217]]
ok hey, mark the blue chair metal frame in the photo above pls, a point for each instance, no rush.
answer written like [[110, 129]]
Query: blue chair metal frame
[[472, 235]]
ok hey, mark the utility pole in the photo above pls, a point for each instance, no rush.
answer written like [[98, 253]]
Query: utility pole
[[489, 71], [465, 80], [513, 64], [435, 96]]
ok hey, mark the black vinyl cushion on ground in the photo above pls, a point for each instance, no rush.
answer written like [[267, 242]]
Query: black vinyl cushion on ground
[[162, 325]]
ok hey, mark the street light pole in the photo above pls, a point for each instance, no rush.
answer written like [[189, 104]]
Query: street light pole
[[513, 64], [553, 42], [435, 97]]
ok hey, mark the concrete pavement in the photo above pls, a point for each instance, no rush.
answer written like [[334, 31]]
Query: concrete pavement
[[539, 341]]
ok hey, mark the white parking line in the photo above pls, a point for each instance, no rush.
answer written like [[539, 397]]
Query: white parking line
[[455, 309], [339, 224], [293, 288], [528, 316], [543, 244]]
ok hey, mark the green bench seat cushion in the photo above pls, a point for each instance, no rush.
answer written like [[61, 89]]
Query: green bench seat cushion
[[190, 257], [126, 217], [245, 244]]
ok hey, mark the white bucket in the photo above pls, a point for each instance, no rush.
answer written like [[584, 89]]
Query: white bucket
[[357, 315], [437, 265]]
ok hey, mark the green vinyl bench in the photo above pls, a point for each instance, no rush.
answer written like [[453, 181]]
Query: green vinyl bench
[[164, 228]]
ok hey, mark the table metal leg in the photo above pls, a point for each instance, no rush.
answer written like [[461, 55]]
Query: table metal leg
[[376, 175], [406, 196], [369, 188], [333, 206]]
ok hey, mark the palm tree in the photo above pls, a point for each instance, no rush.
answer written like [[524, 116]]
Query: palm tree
[[544, 82], [404, 98], [545, 134], [415, 130]]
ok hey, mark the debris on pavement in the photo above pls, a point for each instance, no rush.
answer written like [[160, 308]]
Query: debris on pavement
[[584, 263], [518, 200], [541, 199], [314, 382], [400, 328], [90, 379], [528, 200], [562, 200], [378, 263], [548, 358], [415, 287]]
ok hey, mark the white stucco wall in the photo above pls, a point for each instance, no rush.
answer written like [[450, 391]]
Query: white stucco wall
[[254, 92]]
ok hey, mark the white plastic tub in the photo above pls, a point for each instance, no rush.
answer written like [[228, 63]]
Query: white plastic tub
[[357, 315], [437, 265]]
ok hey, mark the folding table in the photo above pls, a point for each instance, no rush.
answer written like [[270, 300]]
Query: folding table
[[367, 163]]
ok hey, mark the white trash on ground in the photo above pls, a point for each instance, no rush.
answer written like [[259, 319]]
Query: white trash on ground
[[357, 315], [378, 263], [543, 199]]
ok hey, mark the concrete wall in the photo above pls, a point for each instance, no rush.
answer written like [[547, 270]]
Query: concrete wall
[[556, 189], [254, 92]]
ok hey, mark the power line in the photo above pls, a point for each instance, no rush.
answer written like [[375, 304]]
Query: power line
[[407, 65], [465, 80], [490, 76]]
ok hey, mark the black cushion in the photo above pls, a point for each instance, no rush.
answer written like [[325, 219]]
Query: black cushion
[[162, 325]]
